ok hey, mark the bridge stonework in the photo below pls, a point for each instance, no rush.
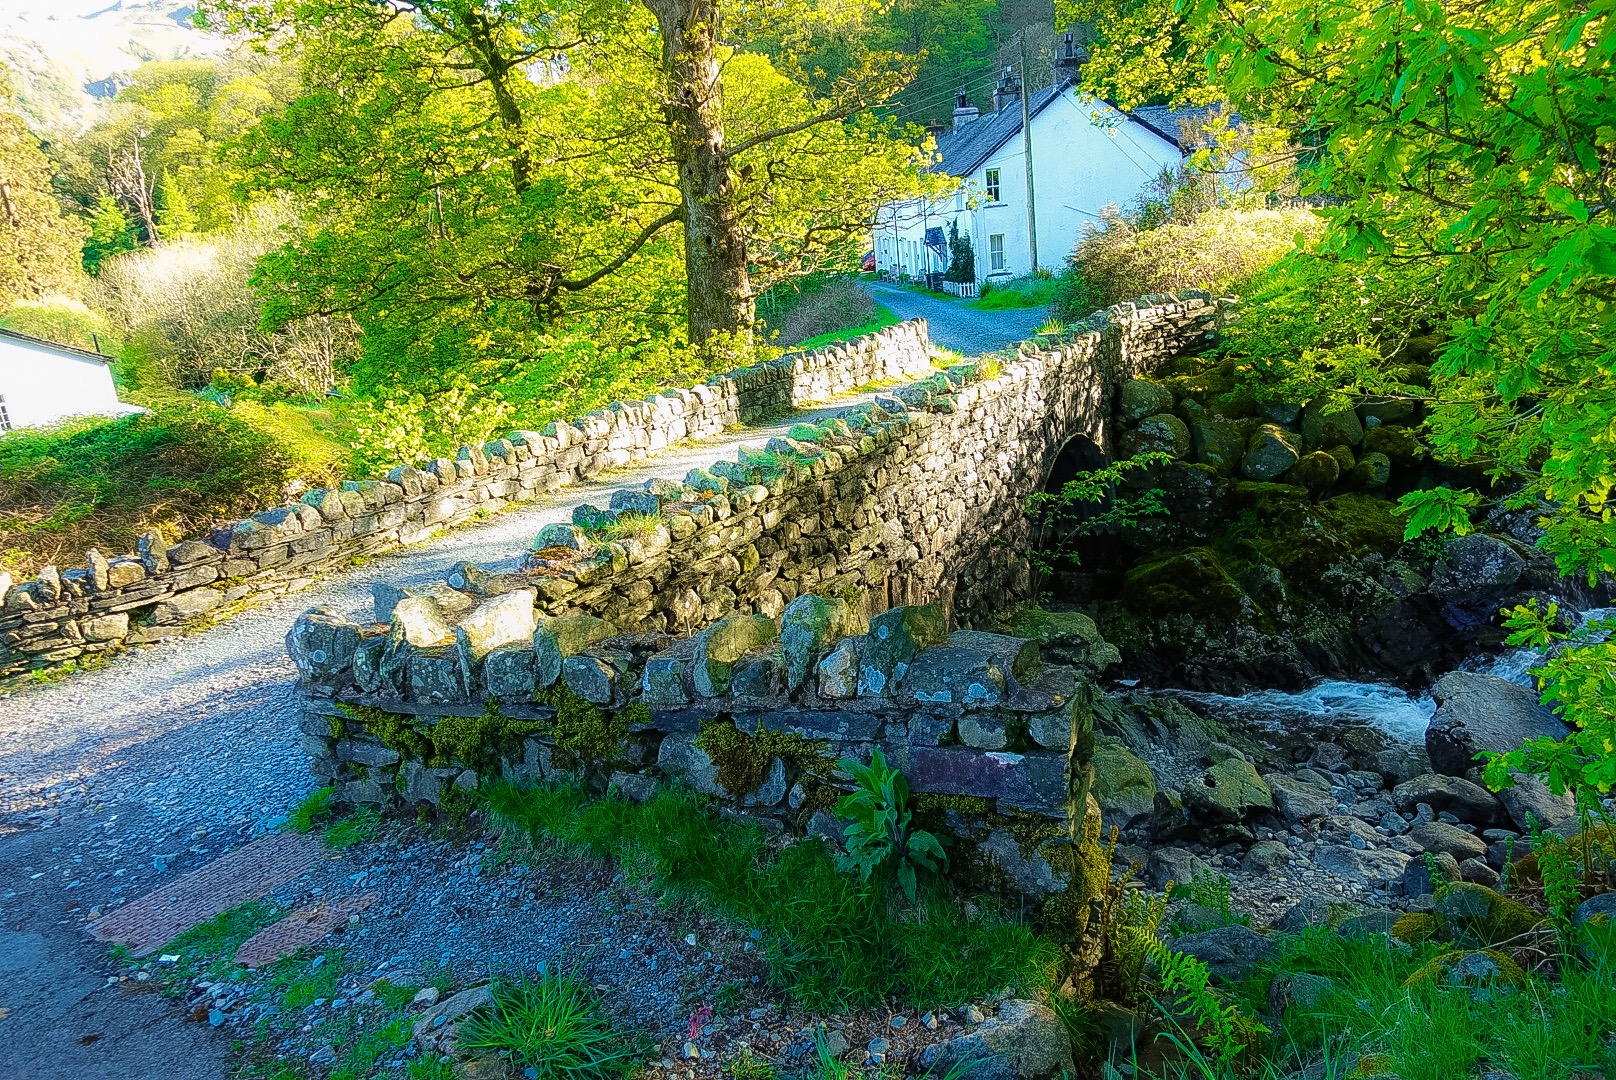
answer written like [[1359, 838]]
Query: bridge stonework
[[151, 594]]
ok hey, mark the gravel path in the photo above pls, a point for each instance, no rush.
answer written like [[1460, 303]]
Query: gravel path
[[116, 780], [956, 325]]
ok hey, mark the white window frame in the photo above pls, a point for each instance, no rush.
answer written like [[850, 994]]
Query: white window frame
[[991, 184], [996, 261], [5, 415]]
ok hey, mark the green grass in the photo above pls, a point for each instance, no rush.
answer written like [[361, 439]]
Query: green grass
[[314, 808], [301, 980], [1370, 1024], [361, 1058], [1031, 291], [209, 950], [358, 827], [553, 1028], [830, 941], [884, 317]]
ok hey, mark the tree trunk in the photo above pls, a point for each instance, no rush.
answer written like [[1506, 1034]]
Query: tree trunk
[[717, 283]]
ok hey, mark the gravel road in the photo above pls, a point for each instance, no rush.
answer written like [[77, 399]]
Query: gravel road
[[115, 780], [956, 325]]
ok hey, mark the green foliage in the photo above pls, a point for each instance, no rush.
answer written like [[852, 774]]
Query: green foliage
[[483, 743], [209, 950], [1577, 679], [413, 429], [358, 827], [313, 808], [744, 760], [38, 246], [1219, 1025], [1212, 891], [819, 308], [1220, 250], [961, 256], [183, 467], [63, 320], [1094, 501], [1033, 290], [879, 836], [884, 317], [1438, 510], [582, 733], [829, 941], [553, 1027], [110, 234]]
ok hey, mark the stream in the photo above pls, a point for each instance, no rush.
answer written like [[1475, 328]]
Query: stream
[[1330, 707]]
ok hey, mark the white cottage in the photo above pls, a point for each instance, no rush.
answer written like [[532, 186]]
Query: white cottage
[[1086, 154], [42, 382]]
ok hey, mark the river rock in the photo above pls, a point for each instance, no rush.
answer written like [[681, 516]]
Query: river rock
[[1417, 878], [1327, 423], [1367, 864], [1372, 472], [1478, 913], [1227, 792], [1466, 801], [1270, 453], [1230, 952], [1300, 798], [1124, 786], [1438, 836], [1026, 1041], [1163, 433], [1529, 801], [1173, 864], [1317, 472], [1140, 399], [1482, 712]]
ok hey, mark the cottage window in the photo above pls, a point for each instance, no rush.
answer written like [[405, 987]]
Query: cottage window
[[996, 251], [5, 416], [993, 185]]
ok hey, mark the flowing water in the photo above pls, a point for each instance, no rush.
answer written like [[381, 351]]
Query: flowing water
[[1333, 705]]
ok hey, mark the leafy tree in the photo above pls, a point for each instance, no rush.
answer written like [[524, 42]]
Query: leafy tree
[[175, 217], [655, 171], [110, 233], [961, 257], [38, 246]]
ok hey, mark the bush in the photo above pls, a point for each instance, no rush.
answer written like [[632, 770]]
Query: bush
[[1031, 291], [1220, 251], [63, 320], [815, 306], [182, 467]]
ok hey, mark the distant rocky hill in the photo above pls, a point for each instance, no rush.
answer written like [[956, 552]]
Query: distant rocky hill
[[65, 55]]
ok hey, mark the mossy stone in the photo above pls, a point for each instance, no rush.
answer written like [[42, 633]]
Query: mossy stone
[[1124, 786], [895, 636], [1397, 443], [1415, 927], [1372, 472], [1140, 399], [1471, 968], [1317, 472], [556, 639], [809, 624], [1328, 422], [1270, 453], [1192, 581], [1162, 433], [1466, 911]]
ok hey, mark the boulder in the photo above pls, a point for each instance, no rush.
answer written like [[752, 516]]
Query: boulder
[[1529, 801], [1464, 800], [1270, 453], [680, 756], [1026, 1041], [1169, 865], [1316, 911], [1219, 444], [503, 620], [895, 637], [1475, 576], [1599, 910], [720, 645], [1227, 792], [807, 626], [1364, 864], [419, 621], [1300, 799], [1265, 857], [1327, 423], [1373, 471], [1066, 637], [1140, 399], [1477, 913], [1231, 953], [1395, 443], [1474, 969], [1163, 433], [451, 603], [1418, 879], [1438, 836], [1317, 472], [1483, 712], [1124, 786]]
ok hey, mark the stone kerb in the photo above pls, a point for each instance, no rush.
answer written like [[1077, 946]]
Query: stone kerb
[[452, 689], [148, 594]]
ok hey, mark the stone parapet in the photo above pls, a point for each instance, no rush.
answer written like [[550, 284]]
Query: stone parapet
[[149, 594]]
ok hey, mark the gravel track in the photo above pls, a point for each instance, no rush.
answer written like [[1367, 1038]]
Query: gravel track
[[115, 780], [954, 324]]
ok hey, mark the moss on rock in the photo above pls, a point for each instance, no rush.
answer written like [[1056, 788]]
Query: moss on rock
[[743, 760]]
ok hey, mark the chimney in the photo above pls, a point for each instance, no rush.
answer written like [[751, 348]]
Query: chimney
[[1008, 92], [964, 111], [1069, 60]]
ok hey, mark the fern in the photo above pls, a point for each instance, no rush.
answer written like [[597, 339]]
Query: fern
[[1222, 1027]]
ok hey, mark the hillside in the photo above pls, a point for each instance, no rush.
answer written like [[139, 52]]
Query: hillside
[[64, 55]]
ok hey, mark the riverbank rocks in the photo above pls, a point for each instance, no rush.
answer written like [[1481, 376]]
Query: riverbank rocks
[[1271, 452], [1025, 1041], [1228, 792], [1475, 913], [1477, 713], [1464, 800], [1140, 398], [1231, 953], [1327, 423], [1124, 786]]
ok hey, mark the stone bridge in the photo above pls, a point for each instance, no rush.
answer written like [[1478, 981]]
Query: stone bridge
[[919, 498]]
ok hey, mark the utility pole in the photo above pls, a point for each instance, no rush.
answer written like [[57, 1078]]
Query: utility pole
[[1026, 152]]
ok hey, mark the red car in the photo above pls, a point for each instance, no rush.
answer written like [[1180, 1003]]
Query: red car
[[867, 264]]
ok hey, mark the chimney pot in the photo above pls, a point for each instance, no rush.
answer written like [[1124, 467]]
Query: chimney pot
[[964, 111]]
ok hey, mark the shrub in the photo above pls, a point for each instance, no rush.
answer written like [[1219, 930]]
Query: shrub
[[1030, 291], [815, 306], [63, 320], [182, 467], [553, 1028], [1220, 251]]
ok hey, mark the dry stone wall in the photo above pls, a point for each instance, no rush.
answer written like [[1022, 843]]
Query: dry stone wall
[[448, 689], [150, 594]]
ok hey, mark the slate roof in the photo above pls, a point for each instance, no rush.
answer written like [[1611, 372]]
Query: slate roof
[[39, 342], [963, 152]]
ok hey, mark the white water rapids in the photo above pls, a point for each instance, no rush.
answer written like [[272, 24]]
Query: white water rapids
[[1387, 708]]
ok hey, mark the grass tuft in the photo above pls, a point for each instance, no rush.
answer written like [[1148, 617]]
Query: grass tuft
[[553, 1028]]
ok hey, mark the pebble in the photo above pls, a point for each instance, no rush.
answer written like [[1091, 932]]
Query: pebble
[[972, 1015], [427, 995], [898, 1022]]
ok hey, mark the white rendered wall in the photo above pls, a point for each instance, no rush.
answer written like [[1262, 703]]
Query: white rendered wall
[[42, 386]]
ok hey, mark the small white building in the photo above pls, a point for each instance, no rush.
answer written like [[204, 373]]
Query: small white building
[[1086, 154], [42, 382]]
